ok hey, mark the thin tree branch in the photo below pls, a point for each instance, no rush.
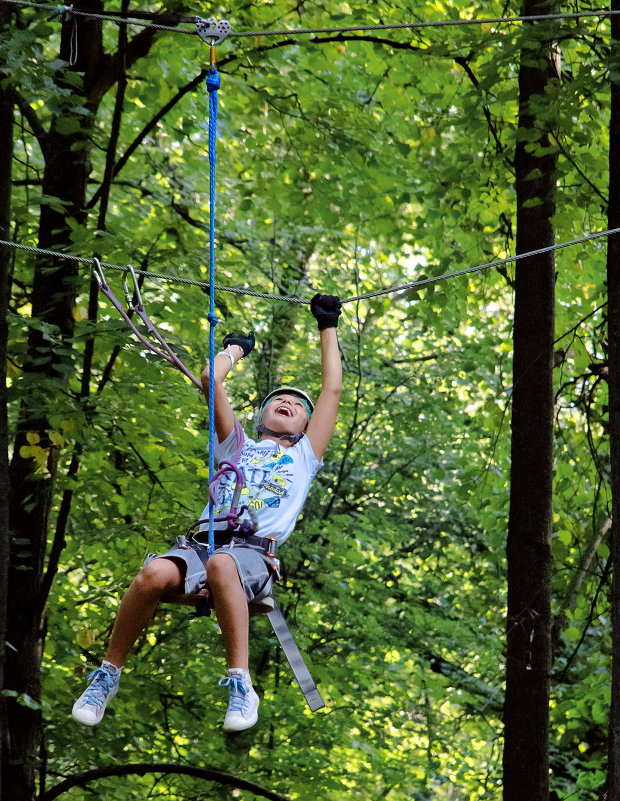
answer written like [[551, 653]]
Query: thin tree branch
[[464, 63], [184, 214], [167, 107], [378, 40], [580, 576], [151, 124], [30, 114], [113, 66], [569, 661], [143, 768], [581, 173]]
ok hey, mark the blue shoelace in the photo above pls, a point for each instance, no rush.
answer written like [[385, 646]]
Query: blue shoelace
[[238, 689], [103, 684]]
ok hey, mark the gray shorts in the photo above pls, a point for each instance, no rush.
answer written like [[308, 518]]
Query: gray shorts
[[255, 575]]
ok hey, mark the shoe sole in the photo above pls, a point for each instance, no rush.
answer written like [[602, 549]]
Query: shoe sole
[[77, 719], [77, 709], [244, 724]]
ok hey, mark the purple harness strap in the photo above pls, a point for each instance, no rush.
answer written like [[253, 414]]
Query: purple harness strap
[[232, 518]]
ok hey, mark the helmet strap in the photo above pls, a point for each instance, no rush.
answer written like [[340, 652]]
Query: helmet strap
[[292, 438]]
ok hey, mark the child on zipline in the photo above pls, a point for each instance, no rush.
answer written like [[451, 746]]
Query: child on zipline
[[278, 468]]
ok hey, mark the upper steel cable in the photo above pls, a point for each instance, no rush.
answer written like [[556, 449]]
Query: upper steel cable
[[414, 25]]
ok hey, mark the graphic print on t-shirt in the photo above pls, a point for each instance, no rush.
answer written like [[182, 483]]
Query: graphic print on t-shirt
[[267, 476], [277, 483]]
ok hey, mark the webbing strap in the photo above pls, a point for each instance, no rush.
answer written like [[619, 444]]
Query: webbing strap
[[295, 659]]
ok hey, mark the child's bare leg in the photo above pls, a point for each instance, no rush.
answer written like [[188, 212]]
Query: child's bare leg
[[231, 608], [139, 603]]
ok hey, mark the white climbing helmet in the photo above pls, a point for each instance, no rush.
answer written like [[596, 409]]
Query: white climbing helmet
[[308, 402]]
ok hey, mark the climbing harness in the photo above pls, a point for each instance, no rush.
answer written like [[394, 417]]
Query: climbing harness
[[244, 533]]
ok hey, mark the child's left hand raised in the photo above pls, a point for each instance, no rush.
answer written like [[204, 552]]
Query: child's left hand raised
[[326, 310]]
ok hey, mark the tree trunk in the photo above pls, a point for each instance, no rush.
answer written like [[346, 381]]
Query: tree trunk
[[46, 368], [66, 148], [6, 159], [528, 658], [613, 323]]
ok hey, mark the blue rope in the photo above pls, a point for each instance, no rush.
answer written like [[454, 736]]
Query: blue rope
[[213, 84]]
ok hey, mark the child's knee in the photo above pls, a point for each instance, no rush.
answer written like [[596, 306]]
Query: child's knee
[[221, 568], [159, 574]]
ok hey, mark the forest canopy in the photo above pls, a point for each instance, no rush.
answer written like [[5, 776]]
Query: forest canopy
[[347, 162]]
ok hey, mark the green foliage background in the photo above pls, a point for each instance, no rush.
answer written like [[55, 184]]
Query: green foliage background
[[345, 164]]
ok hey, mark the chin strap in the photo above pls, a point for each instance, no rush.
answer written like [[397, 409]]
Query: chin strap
[[293, 438]]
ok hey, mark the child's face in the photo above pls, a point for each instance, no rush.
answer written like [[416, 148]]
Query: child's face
[[286, 414]]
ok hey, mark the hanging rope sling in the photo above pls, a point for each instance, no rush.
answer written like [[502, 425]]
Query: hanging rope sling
[[236, 526]]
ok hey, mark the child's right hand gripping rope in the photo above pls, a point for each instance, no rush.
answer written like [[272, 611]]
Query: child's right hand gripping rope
[[245, 341]]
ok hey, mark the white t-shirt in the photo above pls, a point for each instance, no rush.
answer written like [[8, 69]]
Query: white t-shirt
[[277, 482]]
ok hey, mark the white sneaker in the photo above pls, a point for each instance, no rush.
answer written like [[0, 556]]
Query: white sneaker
[[90, 706], [243, 704]]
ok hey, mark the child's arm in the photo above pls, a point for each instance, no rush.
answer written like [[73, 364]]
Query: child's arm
[[237, 347], [326, 309]]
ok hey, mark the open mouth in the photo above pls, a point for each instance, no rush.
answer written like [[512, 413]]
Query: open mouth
[[284, 410]]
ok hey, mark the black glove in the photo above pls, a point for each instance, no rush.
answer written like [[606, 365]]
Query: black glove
[[246, 343], [326, 310]]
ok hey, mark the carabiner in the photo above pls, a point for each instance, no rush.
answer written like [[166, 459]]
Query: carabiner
[[98, 270], [136, 289]]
